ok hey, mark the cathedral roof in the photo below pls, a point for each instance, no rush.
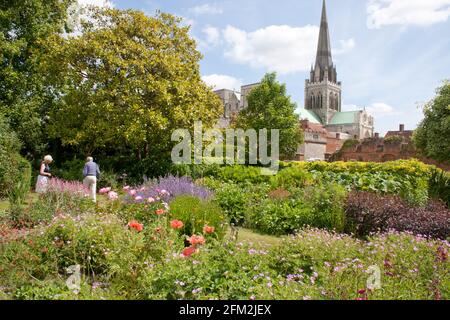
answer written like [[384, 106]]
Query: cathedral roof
[[323, 58], [344, 117], [309, 115]]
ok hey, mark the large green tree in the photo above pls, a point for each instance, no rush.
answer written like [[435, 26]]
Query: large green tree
[[269, 107], [432, 137], [23, 24], [126, 82]]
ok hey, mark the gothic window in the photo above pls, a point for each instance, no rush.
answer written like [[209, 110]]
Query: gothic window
[[331, 101], [314, 101], [321, 101], [311, 102], [337, 102]]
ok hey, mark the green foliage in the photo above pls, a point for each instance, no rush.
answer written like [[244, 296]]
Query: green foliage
[[431, 137], [9, 157], [270, 108], [23, 23], [241, 174], [320, 206], [292, 177], [21, 187], [196, 213], [145, 83], [233, 199], [196, 171], [408, 178], [236, 198], [440, 185], [71, 170]]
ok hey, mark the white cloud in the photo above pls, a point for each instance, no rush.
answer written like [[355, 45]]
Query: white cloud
[[206, 9], [381, 110], [406, 12], [377, 110], [212, 35], [350, 107], [220, 81], [282, 48], [346, 46]]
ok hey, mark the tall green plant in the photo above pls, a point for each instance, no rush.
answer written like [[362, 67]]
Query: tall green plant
[[439, 185], [19, 191]]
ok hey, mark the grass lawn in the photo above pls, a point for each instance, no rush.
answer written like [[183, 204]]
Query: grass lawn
[[4, 204], [246, 235]]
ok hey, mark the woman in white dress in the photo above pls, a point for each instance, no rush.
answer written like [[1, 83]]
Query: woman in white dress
[[44, 175]]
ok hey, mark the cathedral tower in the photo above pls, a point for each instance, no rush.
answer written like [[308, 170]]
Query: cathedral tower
[[322, 90]]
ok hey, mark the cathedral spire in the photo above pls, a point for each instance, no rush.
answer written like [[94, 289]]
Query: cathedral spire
[[323, 58]]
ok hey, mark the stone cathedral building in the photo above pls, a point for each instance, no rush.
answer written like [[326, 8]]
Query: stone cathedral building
[[323, 93], [325, 125]]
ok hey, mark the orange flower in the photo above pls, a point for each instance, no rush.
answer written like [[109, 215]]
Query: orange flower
[[187, 252], [208, 229], [195, 240], [158, 229], [160, 212], [136, 225], [176, 224]]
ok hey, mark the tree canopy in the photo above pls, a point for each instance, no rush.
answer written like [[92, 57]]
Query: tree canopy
[[269, 107], [127, 81], [432, 137], [23, 23]]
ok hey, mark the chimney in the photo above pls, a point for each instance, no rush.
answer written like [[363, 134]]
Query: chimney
[[377, 135], [338, 136], [402, 127]]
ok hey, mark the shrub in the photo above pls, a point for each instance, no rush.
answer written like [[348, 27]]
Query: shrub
[[241, 174], [71, 170], [196, 213], [319, 206], [367, 213], [108, 179], [440, 185], [196, 171], [232, 198], [410, 187], [19, 191], [292, 177], [11, 163], [101, 244]]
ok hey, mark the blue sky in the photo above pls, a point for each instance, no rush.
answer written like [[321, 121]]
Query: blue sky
[[391, 55]]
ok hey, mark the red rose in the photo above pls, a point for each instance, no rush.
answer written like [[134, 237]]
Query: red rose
[[176, 224], [208, 229]]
